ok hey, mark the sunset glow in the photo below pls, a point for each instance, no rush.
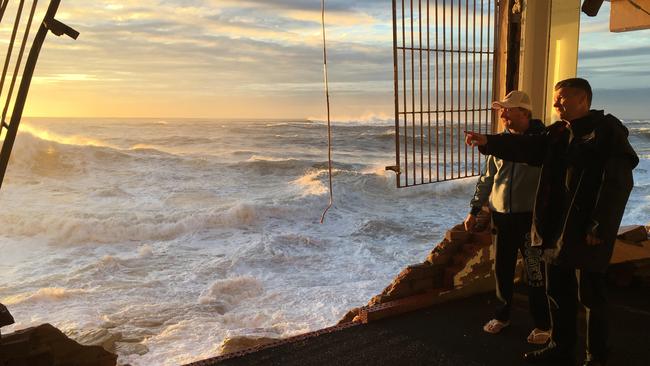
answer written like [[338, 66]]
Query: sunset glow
[[262, 59]]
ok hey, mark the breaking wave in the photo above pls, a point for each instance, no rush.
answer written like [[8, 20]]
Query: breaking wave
[[131, 227], [229, 293], [44, 294]]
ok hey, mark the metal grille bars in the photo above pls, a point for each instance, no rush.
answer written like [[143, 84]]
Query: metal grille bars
[[48, 23], [443, 53]]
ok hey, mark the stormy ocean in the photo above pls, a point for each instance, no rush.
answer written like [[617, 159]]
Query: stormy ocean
[[168, 236]]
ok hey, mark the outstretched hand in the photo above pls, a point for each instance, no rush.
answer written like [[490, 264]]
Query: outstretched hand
[[475, 139], [470, 222]]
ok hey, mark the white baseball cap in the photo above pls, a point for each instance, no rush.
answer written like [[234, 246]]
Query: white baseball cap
[[514, 99]]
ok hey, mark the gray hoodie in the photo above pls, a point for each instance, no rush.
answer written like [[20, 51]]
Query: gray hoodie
[[505, 186]]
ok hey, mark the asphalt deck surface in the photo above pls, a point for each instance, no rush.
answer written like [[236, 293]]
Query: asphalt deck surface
[[451, 334]]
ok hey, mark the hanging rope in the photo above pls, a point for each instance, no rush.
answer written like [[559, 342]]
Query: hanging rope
[[329, 125]]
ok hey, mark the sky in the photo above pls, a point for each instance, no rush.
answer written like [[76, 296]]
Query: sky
[[263, 59]]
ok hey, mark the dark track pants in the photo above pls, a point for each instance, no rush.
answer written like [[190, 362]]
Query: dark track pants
[[513, 235], [565, 287]]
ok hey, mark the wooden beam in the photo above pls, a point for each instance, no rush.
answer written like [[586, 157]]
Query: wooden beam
[[629, 15]]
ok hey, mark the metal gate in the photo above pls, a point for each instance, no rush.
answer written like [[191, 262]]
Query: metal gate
[[443, 53], [20, 25]]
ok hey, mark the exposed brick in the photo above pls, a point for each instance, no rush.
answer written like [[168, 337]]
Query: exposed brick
[[462, 258], [376, 300], [418, 286], [471, 249], [399, 306], [458, 236], [444, 246], [400, 290], [422, 270], [482, 238], [450, 273], [438, 259], [633, 233], [349, 316]]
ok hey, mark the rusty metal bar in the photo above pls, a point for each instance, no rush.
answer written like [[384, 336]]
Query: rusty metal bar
[[396, 168], [451, 87], [433, 49], [48, 24], [480, 78], [429, 88], [444, 89], [466, 73], [473, 78], [413, 96], [3, 7], [458, 132], [11, 46], [488, 98], [495, 39], [450, 110], [453, 109], [406, 172], [19, 60], [437, 103], [421, 95]]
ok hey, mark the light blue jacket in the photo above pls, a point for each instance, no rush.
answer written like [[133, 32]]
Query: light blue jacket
[[508, 187]]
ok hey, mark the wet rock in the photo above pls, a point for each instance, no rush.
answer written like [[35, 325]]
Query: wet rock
[[46, 345], [239, 343], [98, 337]]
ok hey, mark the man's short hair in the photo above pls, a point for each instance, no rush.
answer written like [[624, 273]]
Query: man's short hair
[[576, 83], [527, 112]]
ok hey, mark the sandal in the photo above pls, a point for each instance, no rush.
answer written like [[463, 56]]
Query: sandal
[[495, 326], [538, 336]]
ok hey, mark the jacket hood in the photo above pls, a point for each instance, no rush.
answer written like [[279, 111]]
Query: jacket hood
[[615, 121]]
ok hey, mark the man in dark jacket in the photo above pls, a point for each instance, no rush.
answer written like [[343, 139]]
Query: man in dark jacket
[[584, 185], [508, 189]]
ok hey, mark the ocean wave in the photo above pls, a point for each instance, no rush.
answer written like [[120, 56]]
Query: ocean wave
[[229, 293], [380, 228], [116, 227], [44, 294], [369, 119], [264, 165], [42, 157], [311, 184]]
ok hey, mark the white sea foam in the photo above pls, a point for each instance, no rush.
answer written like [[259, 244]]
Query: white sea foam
[[119, 227], [231, 292]]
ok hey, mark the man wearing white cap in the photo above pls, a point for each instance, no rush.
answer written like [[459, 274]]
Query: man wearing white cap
[[584, 185], [508, 189]]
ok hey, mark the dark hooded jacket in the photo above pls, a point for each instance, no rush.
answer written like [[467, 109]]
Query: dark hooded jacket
[[584, 185]]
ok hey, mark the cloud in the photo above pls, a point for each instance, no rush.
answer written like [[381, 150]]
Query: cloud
[[615, 53], [624, 103], [268, 49]]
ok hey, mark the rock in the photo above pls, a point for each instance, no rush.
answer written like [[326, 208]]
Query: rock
[[46, 345], [5, 316], [240, 343], [98, 337]]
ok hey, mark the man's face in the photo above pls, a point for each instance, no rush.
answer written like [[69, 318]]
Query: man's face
[[570, 103], [515, 119]]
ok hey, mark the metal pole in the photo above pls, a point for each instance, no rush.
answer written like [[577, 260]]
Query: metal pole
[[49, 23]]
